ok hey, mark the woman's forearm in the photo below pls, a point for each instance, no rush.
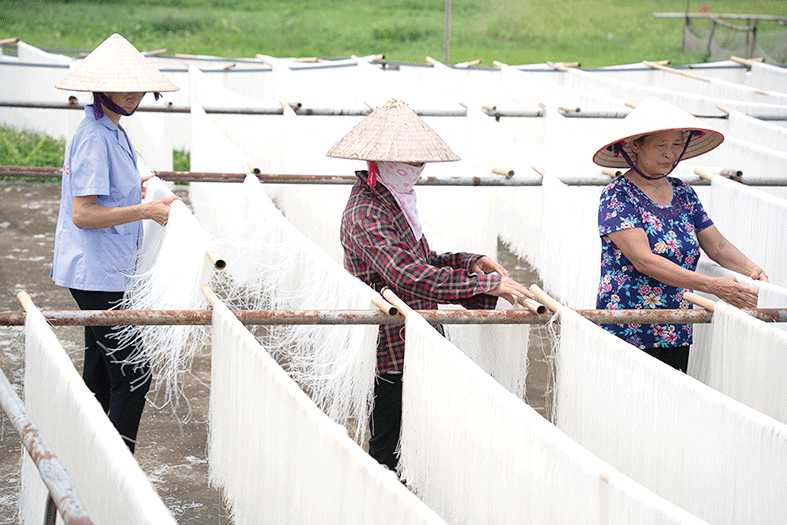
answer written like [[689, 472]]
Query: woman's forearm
[[86, 213]]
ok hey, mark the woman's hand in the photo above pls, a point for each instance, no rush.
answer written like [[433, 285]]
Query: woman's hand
[[486, 265], [758, 274], [510, 290], [159, 210], [733, 292], [145, 179]]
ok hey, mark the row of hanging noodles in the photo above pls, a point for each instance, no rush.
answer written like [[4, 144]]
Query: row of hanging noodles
[[500, 350], [769, 77], [750, 129], [753, 221], [112, 487], [278, 457], [475, 453], [273, 266], [735, 348], [695, 103], [172, 265], [703, 451]]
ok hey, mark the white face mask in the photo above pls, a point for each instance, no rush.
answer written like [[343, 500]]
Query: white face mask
[[400, 178]]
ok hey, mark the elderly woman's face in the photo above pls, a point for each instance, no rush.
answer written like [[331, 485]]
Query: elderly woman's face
[[128, 100], [658, 152]]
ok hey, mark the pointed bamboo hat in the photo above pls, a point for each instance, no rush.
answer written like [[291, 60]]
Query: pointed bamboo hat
[[653, 115], [116, 66], [393, 133]]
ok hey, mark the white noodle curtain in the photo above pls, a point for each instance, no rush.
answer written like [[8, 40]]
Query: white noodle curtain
[[754, 221], [500, 350], [569, 259], [695, 447], [272, 265], [769, 77], [108, 480], [747, 361], [172, 267], [278, 457], [695, 103], [477, 454], [761, 132]]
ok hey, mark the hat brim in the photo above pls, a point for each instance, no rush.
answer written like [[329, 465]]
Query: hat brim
[[393, 133], [707, 140], [653, 115]]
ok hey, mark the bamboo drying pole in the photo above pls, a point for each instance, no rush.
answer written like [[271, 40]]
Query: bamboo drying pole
[[213, 254], [700, 301], [656, 65], [544, 298], [504, 172], [392, 298], [746, 61], [384, 305]]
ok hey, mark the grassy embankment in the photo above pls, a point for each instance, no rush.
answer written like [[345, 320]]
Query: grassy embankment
[[594, 33]]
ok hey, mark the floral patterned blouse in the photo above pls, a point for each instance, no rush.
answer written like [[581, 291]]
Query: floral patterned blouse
[[672, 233]]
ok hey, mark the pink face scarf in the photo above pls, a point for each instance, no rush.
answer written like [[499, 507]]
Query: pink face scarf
[[400, 178]]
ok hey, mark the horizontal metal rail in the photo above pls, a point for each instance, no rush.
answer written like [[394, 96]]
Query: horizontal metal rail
[[368, 317], [273, 178], [364, 111], [62, 493]]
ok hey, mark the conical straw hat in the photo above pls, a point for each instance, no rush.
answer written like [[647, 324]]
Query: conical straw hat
[[651, 116], [115, 67], [393, 133]]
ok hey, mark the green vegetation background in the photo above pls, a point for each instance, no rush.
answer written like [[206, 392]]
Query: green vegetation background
[[592, 32]]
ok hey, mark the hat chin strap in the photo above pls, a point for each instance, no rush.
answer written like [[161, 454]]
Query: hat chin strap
[[100, 99], [619, 150]]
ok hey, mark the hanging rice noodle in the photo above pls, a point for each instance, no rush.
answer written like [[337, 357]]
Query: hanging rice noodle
[[753, 345], [695, 447], [762, 233], [500, 350], [273, 266], [111, 485], [569, 259], [171, 269], [748, 361], [477, 454], [750, 129], [278, 458], [769, 77]]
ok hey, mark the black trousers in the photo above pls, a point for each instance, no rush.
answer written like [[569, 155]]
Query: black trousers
[[385, 421], [677, 357], [120, 388]]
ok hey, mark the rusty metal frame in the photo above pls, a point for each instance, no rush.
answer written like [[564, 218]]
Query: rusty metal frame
[[367, 317], [62, 494]]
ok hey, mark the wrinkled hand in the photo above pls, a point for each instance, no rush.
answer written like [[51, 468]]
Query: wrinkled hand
[[159, 210], [758, 274], [486, 265], [510, 290], [733, 292]]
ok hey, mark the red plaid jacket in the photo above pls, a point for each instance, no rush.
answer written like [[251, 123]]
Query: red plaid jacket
[[381, 250]]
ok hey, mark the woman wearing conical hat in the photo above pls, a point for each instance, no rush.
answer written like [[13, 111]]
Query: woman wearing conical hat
[[99, 225], [652, 228], [384, 246]]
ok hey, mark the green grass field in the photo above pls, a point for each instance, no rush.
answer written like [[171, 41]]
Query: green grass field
[[592, 32]]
